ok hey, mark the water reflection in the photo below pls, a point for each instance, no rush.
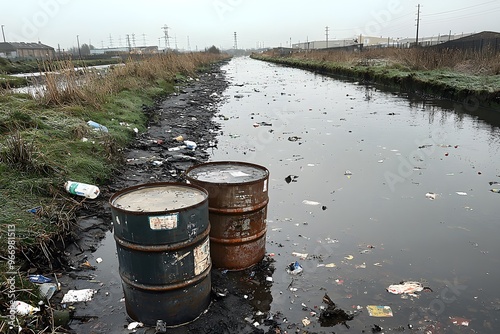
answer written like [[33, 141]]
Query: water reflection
[[344, 125]]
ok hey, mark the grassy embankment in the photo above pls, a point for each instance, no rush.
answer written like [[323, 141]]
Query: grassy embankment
[[45, 141], [452, 74], [8, 67]]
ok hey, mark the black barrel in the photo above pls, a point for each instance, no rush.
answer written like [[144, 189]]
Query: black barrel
[[162, 240]]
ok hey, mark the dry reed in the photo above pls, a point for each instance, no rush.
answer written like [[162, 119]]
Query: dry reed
[[486, 62], [65, 85]]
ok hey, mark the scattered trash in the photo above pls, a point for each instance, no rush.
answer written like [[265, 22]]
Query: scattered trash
[[349, 257], [330, 265], [179, 138], [294, 138], [190, 144], [39, 279], [360, 266], [97, 126], [61, 317], [495, 191], [73, 296], [376, 328], [294, 268], [461, 193], [161, 326], [431, 196], [324, 207], [265, 124], [460, 321], [98, 260], [302, 256], [493, 182], [47, 290], [405, 287], [379, 311], [134, 325], [348, 173], [331, 315], [306, 322], [82, 189], [176, 148], [307, 202], [291, 178], [86, 264], [269, 279], [22, 308], [35, 210], [239, 96]]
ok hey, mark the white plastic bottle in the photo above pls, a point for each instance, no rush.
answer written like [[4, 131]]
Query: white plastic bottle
[[82, 189]]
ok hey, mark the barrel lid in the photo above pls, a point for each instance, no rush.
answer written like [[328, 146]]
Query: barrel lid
[[227, 172], [158, 197]]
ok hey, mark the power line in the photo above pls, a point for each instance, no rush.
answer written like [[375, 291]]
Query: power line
[[418, 24], [454, 18], [326, 33], [459, 9]]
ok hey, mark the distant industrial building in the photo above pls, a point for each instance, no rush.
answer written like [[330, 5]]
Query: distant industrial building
[[14, 50], [379, 41]]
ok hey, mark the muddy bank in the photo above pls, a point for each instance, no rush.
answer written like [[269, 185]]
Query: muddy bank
[[410, 82], [159, 156]]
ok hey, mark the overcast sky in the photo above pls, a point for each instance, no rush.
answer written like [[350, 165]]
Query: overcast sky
[[256, 22]]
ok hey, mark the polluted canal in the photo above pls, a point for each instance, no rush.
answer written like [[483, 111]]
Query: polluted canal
[[382, 212]]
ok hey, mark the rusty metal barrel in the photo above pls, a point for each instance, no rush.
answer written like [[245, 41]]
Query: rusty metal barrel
[[237, 200], [162, 239]]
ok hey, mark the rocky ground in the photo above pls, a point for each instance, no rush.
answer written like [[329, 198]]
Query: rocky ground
[[156, 156]]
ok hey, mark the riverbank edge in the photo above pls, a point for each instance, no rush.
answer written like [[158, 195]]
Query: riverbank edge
[[409, 82], [59, 239]]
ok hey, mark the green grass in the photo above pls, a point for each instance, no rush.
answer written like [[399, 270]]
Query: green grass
[[8, 66], [440, 82], [7, 81]]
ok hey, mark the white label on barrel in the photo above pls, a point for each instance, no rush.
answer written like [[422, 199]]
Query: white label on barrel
[[201, 257], [167, 222], [265, 186], [238, 173]]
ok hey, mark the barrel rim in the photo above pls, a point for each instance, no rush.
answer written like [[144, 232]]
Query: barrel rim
[[227, 162], [156, 184]]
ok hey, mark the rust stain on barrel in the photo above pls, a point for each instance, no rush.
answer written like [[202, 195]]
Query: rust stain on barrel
[[237, 199]]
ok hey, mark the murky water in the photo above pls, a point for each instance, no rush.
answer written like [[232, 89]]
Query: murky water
[[352, 173], [368, 158]]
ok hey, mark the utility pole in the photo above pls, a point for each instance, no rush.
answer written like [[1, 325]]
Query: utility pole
[[3, 34], [110, 41], [189, 45], [326, 33], [133, 40], [144, 39], [235, 41], [418, 24], [128, 43], [78, 43], [165, 32]]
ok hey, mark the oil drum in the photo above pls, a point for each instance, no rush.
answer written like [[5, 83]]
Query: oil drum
[[237, 200], [162, 239]]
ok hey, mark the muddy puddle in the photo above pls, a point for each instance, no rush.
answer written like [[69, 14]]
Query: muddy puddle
[[367, 189]]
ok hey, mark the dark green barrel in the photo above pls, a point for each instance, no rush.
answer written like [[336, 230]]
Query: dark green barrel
[[161, 232]]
